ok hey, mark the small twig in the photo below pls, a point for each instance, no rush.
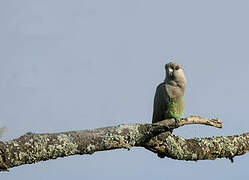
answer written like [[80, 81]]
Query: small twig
[[200, 120], [2, 130], [172, 123]]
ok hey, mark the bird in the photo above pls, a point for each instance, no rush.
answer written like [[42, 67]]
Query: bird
[[169, 99]]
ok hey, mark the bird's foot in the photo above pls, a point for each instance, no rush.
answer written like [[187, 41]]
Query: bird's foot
[[177, 121]]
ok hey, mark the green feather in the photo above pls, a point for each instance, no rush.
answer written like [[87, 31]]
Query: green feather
[[176, 108]]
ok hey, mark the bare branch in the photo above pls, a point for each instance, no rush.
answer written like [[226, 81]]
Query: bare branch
[[171, 123], [31, 147]]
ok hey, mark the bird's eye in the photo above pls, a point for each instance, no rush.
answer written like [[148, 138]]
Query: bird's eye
[[177, 67]]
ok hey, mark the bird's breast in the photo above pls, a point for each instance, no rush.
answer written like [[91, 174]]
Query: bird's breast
[[176, 107]]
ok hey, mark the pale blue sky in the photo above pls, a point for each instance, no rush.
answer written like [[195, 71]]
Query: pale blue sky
[[70, 65]]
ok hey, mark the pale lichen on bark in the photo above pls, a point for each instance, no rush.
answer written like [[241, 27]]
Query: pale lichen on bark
[[31, 147], [177, 147]]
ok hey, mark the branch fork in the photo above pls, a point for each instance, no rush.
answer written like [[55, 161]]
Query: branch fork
[[157, 137]]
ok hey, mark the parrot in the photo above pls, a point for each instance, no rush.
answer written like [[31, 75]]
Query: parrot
[[169, 99]]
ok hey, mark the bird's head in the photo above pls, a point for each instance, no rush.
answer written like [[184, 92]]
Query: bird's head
[[175, 74]]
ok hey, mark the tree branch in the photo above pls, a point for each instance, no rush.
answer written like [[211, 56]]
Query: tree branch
[[31, 147], [171, 123]]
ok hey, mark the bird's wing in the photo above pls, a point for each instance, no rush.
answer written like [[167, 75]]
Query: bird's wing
[[160, 103]]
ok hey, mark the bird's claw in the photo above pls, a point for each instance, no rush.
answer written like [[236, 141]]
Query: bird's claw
[[177, 121]]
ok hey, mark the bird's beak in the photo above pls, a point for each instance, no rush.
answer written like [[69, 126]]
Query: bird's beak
[[170, 72]]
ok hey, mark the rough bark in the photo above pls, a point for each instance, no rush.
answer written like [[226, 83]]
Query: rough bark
[[31, 147]]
